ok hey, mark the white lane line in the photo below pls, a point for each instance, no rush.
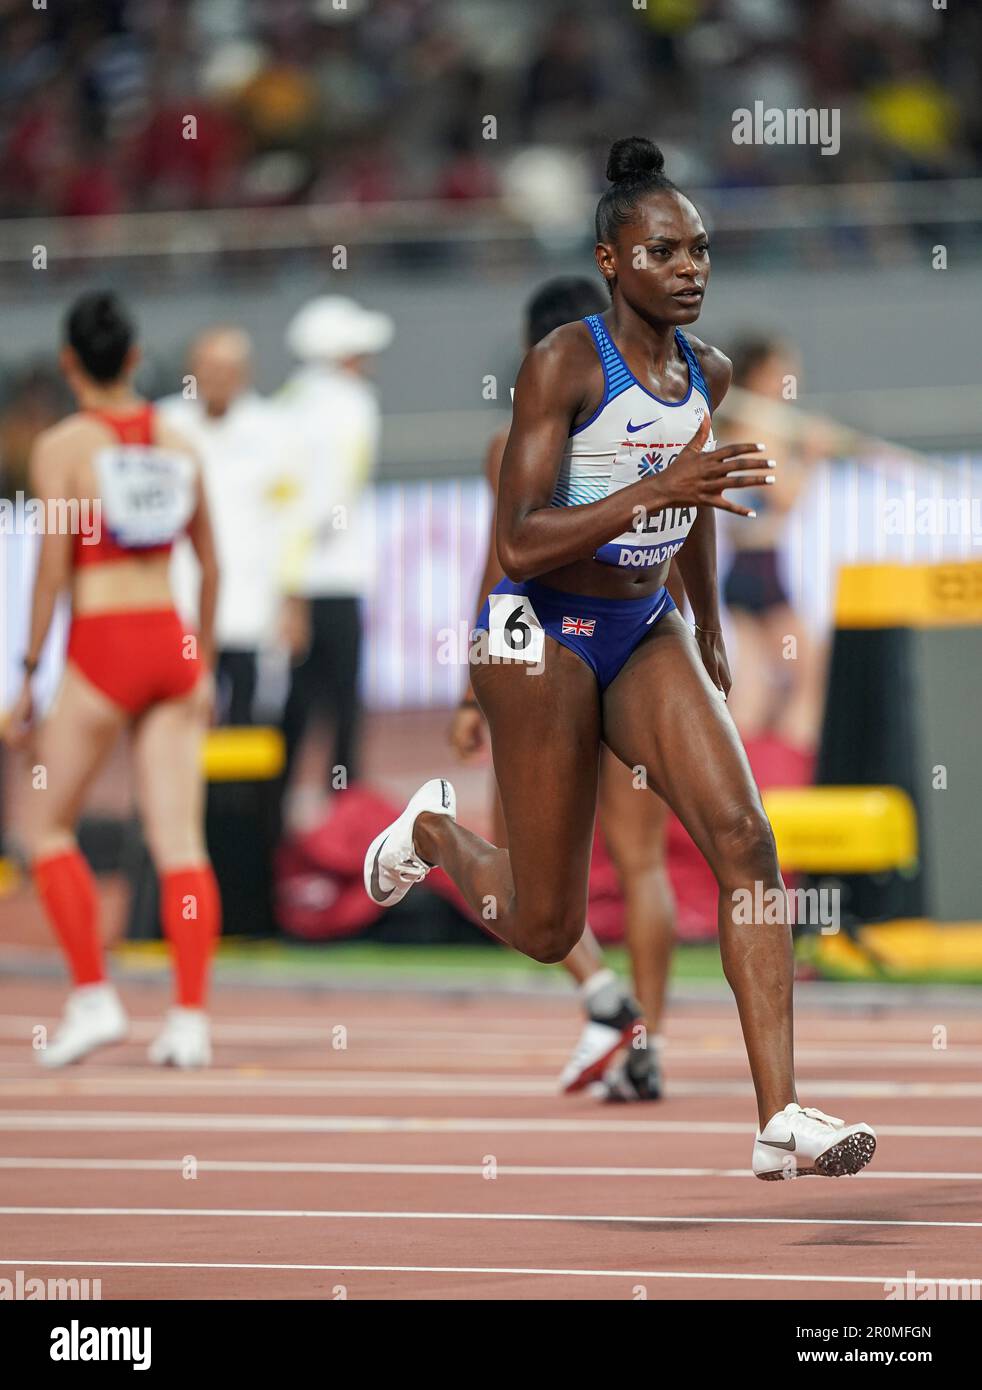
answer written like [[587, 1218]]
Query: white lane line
[[519, 1170], [389, 1082], [122, 1121], [289, 1213], [882, 1280], [719, 1040]]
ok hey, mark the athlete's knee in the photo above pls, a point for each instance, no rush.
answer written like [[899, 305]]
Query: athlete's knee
[[744, 844], [549, 936], [49, 841], [176, 851]]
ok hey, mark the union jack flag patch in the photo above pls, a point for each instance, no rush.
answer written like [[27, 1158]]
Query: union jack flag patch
[[579, 627]]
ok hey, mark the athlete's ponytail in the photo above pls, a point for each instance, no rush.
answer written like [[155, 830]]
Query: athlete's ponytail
[[635, 168], [101, 331]]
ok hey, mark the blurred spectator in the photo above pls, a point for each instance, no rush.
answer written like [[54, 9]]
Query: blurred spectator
[[169, 170], [330, 564], [291, 97], [563, 85], [246, 458], [35, 398]]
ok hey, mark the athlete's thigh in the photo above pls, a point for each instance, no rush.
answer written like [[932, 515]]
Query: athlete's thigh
[[544, 724], [169, 780], [632, 818], [664, 713], [72, 742]]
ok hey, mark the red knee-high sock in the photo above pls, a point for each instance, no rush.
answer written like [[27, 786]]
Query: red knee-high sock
[[67, 889], [191, 912]]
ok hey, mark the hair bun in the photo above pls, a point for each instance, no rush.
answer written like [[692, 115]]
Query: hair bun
[[632, 158]]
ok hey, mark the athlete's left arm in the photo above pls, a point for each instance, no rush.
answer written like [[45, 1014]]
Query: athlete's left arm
[[697, 559], [202, 538]]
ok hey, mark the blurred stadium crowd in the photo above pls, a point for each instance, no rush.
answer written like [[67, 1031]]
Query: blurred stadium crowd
[[374, 100]]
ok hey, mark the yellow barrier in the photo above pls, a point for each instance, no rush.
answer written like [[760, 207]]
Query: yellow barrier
[[907, 949], [918, 596], [864, 830], [243, 754]]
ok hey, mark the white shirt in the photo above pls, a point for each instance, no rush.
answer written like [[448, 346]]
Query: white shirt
[[631, 435], [246, 464], [331, 545]]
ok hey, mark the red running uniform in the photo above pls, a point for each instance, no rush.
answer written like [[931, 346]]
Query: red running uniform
[[141, 656]]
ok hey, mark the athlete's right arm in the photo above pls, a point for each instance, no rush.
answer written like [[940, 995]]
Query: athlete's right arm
[[49, 471], [532, 536]]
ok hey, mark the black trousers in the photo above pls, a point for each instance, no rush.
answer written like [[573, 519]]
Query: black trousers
[[236, 682], [325, 684]]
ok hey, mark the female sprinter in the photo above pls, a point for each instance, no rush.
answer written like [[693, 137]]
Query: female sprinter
[[634, 827], [130, 663], [609, 468]]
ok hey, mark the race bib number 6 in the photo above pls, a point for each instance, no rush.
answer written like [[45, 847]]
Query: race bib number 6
[[514, 631]]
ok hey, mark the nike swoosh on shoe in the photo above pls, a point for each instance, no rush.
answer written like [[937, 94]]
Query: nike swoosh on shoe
[[378, 892]]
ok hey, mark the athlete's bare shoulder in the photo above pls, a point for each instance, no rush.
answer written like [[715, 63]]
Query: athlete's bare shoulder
[[568, 346], [562, 368], [69, 434], [716, 368], [57, 450]]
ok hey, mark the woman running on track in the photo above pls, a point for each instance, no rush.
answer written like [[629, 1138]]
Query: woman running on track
[[609, 469], [634, 827], [130, 664]]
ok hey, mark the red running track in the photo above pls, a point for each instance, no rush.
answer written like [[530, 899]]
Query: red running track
[[409, 1146]]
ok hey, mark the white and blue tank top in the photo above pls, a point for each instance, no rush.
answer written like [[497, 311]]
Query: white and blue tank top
[[632, 435]]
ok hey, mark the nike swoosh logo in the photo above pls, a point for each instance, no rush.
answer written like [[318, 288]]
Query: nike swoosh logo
[[656, 614], [788, 1144], [633, 429], [378, 893]]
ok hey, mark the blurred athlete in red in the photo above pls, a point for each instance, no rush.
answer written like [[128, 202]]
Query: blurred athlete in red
[[134, 486]]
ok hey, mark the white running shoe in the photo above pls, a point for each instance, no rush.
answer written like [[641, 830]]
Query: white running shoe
[[93, 1018], [600, 1040], [184, 1041], [392, 865], [797, 1143]]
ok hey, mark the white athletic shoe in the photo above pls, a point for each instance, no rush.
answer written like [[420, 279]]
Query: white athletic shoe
[[599, 1042], [93, 1018], [392, 865], [796, 1143], [184, 1041]]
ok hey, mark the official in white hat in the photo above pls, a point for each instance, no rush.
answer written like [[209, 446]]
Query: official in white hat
[[333, 328], [333, 410]]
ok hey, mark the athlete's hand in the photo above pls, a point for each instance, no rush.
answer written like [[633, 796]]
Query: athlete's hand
[[698, 479], [468, 731], [713, 653], [18, 725]]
